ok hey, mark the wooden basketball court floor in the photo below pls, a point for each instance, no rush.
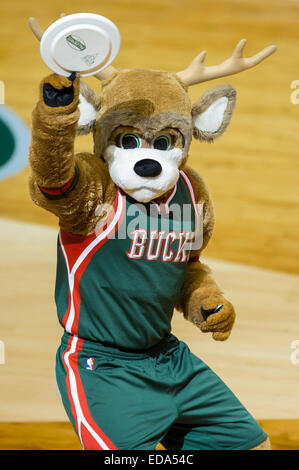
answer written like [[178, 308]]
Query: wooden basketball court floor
[[255, 362], [253, 174]]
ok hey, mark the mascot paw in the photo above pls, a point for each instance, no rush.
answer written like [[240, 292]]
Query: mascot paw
[[60, 93], [213, 314], [219, 318]]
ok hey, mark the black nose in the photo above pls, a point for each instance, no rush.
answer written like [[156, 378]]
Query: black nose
[[147, 167]]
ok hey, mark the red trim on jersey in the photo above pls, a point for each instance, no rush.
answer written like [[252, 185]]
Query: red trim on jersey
[[75, 244], [163, 205], [171, 195], [83, 266], [192, 194], [186, 178], [87, 439], [74, 250], [67, 381]]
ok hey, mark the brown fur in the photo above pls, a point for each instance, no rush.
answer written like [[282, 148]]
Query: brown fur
[[51, 153], [162, 89], [147, 125], [78, 214], [90, 95], [93, 98], [205, 101], [52, 161], [151, 101]]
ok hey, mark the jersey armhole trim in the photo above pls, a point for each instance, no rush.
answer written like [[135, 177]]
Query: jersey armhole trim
[[191, 190]]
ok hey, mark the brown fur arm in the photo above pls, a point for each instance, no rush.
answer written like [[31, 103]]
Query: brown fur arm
[[53, 164], [200, 289], [80, 211], [51, 153], [54, 125]]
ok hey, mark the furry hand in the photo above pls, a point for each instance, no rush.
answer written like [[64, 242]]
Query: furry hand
[[219, 323], [60, 94]]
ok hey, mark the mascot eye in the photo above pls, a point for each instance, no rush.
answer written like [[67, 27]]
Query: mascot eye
[[130, 141], [162, 142]]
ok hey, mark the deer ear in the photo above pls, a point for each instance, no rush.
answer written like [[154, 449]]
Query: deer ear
[[212, 112], [89, 105]]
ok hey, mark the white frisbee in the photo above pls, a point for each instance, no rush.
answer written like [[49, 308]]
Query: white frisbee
[[82, 42]]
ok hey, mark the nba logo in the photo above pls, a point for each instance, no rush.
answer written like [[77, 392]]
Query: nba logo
[[90, 363]]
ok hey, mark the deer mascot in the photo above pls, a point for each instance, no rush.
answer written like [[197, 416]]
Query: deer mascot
[[126, 382]]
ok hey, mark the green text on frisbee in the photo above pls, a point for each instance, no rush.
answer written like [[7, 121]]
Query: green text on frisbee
[[75, 42]]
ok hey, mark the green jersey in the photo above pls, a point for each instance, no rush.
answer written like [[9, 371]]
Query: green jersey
[[119, 285]]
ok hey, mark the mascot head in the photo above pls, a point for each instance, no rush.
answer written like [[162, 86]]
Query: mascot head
[[143, 120]]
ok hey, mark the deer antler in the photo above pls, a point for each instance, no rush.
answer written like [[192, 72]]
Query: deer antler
[[197, 72], [35, 28]]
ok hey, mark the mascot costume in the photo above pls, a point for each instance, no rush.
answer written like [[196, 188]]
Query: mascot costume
[[128, 254]]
